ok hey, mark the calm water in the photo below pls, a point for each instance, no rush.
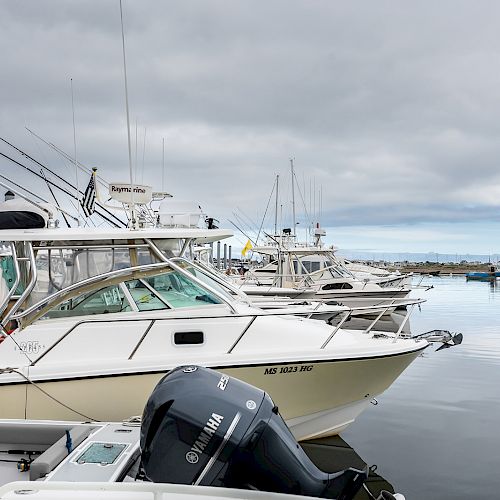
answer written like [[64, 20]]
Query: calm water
[[435, 434]]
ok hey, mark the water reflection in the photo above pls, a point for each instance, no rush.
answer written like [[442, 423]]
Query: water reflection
[[333, 454], [435, 433]]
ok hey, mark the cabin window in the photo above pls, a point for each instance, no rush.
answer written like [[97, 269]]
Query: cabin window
[[104, 301], [178, 291], [311, 266], [337, 286], [306, 266]]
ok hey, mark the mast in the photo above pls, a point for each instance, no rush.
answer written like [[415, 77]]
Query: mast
[[293, 198], [276, 208]]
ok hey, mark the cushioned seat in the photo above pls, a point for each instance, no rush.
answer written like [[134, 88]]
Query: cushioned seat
[[54, 455]]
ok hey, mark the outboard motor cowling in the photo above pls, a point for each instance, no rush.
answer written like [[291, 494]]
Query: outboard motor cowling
[[203, 427]]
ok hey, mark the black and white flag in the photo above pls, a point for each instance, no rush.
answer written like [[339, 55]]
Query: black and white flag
[[88, 202]]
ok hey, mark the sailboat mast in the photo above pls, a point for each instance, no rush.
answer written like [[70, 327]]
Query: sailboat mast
[[293, 198], [276, 208]]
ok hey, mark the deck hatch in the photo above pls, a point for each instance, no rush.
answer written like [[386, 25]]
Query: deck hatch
[[101, 453]]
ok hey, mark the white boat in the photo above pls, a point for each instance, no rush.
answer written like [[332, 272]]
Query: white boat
[[314, 273], [118, 313], [382, 277]]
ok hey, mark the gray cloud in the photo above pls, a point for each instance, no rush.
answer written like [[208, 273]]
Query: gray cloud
[[391, 107]]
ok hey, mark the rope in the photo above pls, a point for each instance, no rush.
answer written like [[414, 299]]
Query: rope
[[43, 391]]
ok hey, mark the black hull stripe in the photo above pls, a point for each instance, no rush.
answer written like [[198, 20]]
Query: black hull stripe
[[224, 367]]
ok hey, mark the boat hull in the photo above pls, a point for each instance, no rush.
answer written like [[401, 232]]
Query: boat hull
[[316, 398]]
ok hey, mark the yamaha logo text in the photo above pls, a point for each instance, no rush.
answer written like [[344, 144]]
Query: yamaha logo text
[[204, 438]]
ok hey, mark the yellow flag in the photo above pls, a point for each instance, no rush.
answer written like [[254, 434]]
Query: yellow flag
[[247, 247]]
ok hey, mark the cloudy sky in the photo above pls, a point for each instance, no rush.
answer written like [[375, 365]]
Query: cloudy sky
[[390, 108]]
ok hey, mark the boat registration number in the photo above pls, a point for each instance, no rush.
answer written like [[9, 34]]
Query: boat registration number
[[274, 370]]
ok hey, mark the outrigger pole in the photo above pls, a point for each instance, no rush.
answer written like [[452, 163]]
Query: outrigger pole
[[62, 179], [65, 191]]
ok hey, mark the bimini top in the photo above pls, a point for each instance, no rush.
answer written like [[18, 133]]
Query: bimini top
[[93, 233]]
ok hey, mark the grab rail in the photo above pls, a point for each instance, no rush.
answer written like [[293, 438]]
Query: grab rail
[[337, 328], [11, 292], [403, 323], [29, 287]]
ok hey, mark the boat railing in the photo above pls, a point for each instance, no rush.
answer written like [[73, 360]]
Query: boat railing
[[33, 312], [10, 293], [348, 314], [11, 314]]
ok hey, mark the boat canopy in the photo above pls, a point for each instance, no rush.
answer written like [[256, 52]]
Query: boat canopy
[[44, 261], [78, 234]]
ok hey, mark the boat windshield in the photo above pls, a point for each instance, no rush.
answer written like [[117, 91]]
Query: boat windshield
[[110, 299], [205, 278], [176, 290], [168, 290]]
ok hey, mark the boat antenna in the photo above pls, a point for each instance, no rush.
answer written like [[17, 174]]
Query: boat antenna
[[163, 164], [276, 205], [74, 147], [293, 197], [132, 205], [143, 155], [320, 203], [135, 163]]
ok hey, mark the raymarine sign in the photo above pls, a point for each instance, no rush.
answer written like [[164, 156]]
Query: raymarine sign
[[123, 193]]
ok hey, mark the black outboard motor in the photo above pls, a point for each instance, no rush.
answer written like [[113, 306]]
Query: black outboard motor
[[202, 427]]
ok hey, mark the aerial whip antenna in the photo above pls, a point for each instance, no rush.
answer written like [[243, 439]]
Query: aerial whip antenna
[[163, 164], [74, 147], [132, 205], [293, 197]]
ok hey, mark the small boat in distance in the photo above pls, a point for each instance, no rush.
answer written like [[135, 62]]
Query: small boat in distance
[[492, 273]]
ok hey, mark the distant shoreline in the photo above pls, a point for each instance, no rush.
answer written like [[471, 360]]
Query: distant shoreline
[[436, 268]]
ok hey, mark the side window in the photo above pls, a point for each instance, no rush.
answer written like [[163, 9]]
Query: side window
[[106, 300]]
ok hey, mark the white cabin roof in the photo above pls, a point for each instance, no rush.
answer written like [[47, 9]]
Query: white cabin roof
[[92, 233]]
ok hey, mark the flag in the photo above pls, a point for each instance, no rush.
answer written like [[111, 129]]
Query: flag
[[247, 247], [88, 201]]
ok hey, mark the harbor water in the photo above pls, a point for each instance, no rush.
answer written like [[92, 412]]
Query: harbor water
[[435, 434]]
